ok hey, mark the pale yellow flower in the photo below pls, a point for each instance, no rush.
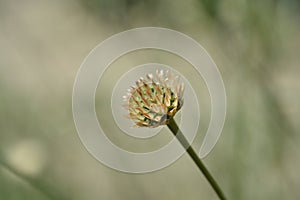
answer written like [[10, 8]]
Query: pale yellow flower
[[155, 100]]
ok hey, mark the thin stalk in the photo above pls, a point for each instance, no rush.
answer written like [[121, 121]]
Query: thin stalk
[[36, 184], [179, 135]]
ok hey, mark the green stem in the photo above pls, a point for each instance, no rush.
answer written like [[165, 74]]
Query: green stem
[[34, 183], [179, 135]]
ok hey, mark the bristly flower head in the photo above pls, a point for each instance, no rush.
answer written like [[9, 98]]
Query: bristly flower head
[[155, 100]]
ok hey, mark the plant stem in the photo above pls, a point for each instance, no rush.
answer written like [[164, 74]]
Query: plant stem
[[179, 135], [51, 193]]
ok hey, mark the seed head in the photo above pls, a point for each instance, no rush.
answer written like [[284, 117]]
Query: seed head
[[154, 100]]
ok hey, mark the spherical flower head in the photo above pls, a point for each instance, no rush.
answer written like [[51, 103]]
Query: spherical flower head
[[155, 100]]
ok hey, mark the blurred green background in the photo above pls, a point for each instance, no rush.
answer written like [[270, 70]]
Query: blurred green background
[[255, 44]]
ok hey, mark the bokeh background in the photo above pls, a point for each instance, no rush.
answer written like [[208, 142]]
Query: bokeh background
[[255, 44]]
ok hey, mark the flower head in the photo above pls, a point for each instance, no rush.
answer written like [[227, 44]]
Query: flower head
[[155, 100]]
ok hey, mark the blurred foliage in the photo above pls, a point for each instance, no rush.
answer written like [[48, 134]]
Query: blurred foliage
[[255, 45]]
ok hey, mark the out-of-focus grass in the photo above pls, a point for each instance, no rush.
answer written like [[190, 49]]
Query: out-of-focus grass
[[255, 45]]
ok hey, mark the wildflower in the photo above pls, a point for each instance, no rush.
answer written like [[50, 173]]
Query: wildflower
[[155, 100]]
